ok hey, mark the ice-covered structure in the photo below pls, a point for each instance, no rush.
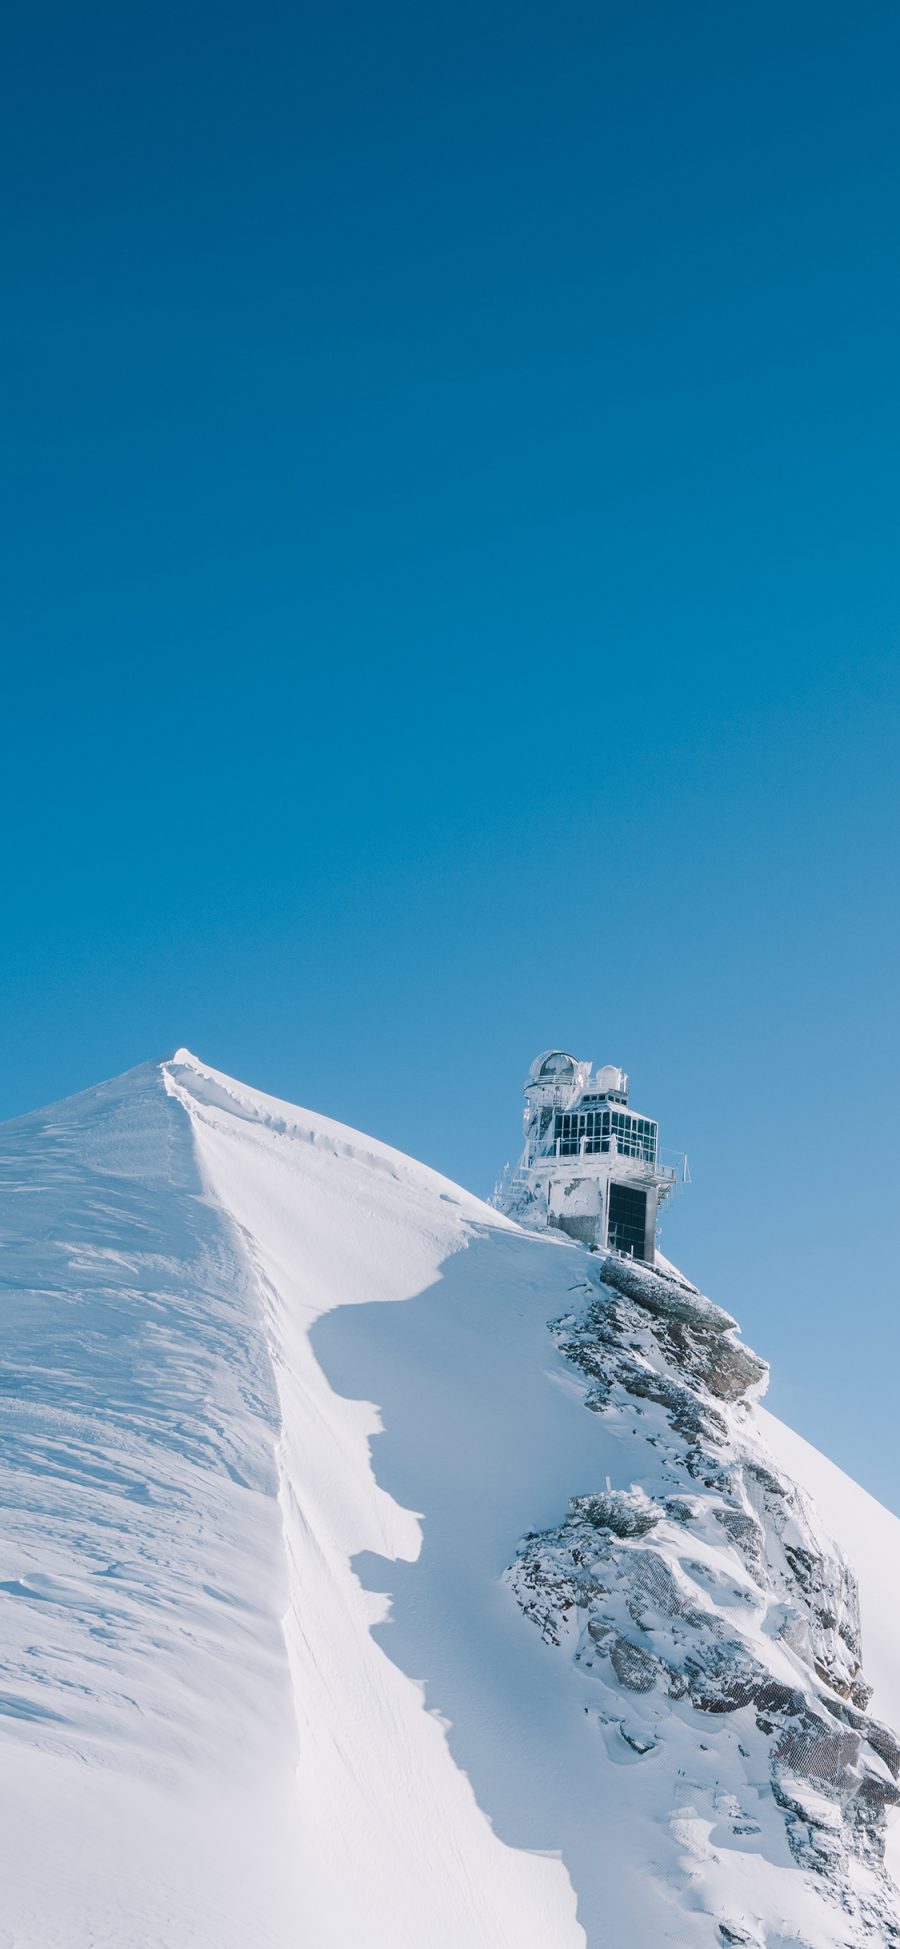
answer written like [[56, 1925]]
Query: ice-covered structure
[[590, 1165]]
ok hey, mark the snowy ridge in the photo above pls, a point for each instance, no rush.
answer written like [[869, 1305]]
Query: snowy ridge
[[385, 1819], [204, 1091], [148, 1765], [293, 1465]]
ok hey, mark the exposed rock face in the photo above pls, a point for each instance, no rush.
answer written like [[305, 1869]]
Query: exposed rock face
[[716, 1598]]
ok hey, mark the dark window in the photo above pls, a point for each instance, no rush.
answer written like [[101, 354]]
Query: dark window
[[627, 1219], [635, 1136], [581, 1132]]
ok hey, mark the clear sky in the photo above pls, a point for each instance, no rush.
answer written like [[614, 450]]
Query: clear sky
[[451, 596]]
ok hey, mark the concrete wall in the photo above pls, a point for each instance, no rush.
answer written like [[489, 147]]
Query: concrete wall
[[576, 1206]]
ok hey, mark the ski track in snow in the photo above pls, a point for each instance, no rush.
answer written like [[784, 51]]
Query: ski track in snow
[[263, 1684]]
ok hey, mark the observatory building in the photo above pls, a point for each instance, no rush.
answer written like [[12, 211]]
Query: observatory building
[[590, 1166]]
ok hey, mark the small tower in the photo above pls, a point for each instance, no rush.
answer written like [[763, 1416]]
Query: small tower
[[590, 1166]]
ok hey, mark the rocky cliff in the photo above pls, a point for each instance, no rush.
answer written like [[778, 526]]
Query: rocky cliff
[[718, 1623]]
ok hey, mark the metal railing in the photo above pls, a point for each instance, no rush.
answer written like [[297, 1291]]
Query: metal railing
[[652, 1170], [567, 1152]]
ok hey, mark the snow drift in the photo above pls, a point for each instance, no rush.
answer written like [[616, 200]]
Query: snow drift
[[376, 1572]]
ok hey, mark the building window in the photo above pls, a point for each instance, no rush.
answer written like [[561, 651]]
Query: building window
[[581, 1133], [584, 1133], [627, 1229]]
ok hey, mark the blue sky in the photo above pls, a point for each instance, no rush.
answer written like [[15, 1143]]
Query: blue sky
[[450, 481]]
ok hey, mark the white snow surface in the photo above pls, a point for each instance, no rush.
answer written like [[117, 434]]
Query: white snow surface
[[869, 1536], [280, 1404]]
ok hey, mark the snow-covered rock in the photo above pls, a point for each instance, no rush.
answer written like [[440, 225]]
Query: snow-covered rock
[[374, 1571], [719, 1594]]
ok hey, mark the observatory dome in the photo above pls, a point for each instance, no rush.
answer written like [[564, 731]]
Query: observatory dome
[[553, 1066]]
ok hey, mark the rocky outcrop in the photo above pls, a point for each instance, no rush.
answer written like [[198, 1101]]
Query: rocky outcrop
[[709, 1590]]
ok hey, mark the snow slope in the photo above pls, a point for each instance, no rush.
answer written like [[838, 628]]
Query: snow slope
[[148, 1758], [280, 1406], [869, 1536]]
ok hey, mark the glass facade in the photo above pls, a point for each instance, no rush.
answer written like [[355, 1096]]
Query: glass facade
[[580, 1133], [627, 1219]]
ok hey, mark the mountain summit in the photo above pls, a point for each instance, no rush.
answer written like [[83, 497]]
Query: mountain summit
[[377, 1570]]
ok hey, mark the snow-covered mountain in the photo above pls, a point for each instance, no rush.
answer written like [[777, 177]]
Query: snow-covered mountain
[[377, 1572]]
